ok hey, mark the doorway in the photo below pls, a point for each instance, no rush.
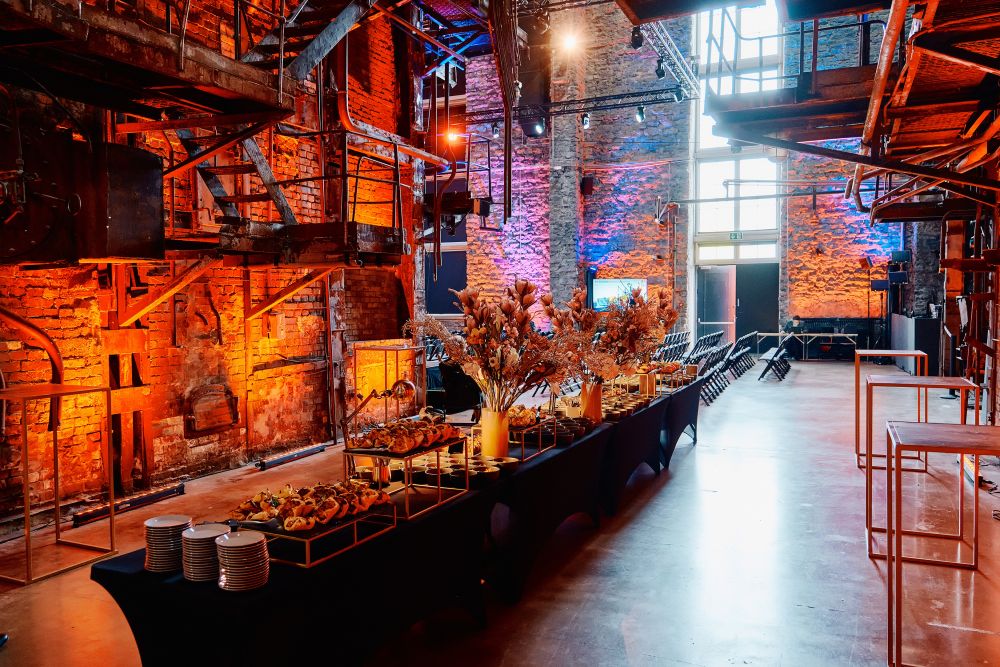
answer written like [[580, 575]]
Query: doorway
[[737, 298]]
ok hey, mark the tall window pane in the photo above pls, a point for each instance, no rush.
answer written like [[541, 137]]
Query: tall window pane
[[758, 213], [715, 216]]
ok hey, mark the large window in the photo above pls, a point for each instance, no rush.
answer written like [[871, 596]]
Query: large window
[[736, 189]]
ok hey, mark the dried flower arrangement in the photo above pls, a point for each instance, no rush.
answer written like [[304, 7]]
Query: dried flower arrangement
[[602, 346], [498, 346]]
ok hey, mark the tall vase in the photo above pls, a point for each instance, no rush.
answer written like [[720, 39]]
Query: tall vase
[[590, 401], [495, 434]]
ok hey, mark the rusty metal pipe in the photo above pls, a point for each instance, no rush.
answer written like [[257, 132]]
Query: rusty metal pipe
[[36, 337], [893, 28], [342, 83]]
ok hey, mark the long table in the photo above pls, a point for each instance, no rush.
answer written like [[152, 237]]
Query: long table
[[807, 337], [353, 602]]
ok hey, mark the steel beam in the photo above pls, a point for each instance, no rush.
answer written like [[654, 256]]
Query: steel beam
[[199, 122], [287, 293], [256, 156], [878, 163], [324, 42], [211, 151]]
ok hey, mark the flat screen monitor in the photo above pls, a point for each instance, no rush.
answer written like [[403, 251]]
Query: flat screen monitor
[[606, 289]]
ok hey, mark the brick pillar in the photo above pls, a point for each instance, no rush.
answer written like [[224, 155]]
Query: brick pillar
[[565, 200]]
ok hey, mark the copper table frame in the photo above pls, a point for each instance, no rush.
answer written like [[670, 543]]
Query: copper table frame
[[919, 382], [960, 440], [919, 357], [48, 391]]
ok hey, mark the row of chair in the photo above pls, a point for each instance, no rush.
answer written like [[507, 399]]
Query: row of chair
[[741, 358], [777, 361], [714, 372], [704, 343]]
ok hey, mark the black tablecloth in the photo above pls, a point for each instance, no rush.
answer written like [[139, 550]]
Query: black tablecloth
[[636, 440], [347, 605], [681, 415], [352, 603], [545, 492]]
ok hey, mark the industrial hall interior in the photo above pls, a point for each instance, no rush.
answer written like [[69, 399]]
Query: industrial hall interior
[[504, 333]]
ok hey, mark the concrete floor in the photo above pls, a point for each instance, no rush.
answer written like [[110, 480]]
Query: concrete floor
[[749, 551]]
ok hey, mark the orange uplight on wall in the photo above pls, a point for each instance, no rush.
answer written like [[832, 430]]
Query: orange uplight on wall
[[378, 365]]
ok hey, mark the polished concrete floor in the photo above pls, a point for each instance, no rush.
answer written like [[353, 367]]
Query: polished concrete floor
[[749, 551]]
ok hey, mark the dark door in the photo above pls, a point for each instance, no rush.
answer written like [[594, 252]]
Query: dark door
[[756, 298], [716, 300]]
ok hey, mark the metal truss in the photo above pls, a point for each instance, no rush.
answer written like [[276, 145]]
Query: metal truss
[[660, 40], [671, 95]]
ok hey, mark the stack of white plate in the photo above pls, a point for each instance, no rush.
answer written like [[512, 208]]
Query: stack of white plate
[[243, 560], [201, 562], [163, 542]]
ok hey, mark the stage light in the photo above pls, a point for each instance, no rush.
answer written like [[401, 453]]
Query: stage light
[[585, 121], [452, 136], [569, 42], [678, 95], [539, 127], [640, 114], [661, 71], [637, 38], [496, 130]]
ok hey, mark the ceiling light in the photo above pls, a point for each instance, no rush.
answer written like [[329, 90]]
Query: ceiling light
[[640, 114], [495, 128], [637, 38], [585, 121], [661, 71]]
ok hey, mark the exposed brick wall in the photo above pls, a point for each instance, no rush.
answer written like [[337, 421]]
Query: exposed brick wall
[[277, 368], [926, 281]]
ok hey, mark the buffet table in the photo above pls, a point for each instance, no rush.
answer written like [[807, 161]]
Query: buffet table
[[355, 601]]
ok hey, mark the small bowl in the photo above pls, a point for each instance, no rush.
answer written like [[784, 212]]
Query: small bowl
[[507, 464], [433, 475], [419, 474], [456, 478], [488, 475]]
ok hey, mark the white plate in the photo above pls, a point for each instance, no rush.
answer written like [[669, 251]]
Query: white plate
[[240, 539], [167, 521], [205, 532]]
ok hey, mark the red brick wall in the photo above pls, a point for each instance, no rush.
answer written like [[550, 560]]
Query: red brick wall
[[282, 396]]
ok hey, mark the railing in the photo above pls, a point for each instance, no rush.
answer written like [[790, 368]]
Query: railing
[[737, 57]]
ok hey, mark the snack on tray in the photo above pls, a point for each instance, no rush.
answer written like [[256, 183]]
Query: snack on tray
[[404, 436], [304, 508], [521, 415]]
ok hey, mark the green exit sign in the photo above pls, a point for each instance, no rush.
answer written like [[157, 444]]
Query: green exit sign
[[735, 236]]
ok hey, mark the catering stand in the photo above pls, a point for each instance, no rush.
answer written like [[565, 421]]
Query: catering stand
[[350, 604]]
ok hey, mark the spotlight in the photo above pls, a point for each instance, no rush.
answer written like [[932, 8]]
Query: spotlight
[[569, 42], [637, 38], [539, 127], [585, 121], [678, 95], [452, 136], [496, 130], [640, 114], [661, 71]]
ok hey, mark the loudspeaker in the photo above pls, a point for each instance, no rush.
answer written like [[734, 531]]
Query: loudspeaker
[[587, 186], [865, 262], [880, 286], [898, 277]]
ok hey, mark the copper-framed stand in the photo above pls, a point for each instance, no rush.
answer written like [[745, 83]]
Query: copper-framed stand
[[49, 391], [920, 383], [380, 471], [920, 360], [961, 440], [374, 522]]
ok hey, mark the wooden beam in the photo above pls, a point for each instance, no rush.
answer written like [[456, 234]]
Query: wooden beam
[[214, 120], [154, 298], [287, 293]]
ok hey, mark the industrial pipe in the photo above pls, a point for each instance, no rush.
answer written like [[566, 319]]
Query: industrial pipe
[[36, 337], [344, 110], [893, 28]]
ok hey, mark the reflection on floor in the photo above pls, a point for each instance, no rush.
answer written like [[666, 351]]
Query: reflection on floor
[[749, 551]]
